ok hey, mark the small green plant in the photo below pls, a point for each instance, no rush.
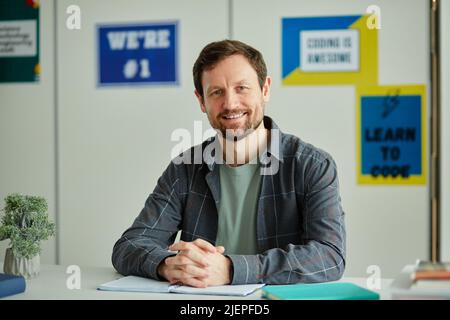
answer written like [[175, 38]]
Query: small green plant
[[26, 224]]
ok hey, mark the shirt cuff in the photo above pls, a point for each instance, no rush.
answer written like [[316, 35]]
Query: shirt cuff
[[153, 261], [246, 269]]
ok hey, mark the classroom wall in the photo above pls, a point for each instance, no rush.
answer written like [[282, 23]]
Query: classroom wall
[[114, 142], [27, 133]]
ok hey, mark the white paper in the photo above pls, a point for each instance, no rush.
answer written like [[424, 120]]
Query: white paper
[[329, 50], [139, 284], [136, 284], [18, 38], [236, 290]]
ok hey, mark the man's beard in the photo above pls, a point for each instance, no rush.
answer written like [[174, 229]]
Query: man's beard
[[240, 133], [236, 134]]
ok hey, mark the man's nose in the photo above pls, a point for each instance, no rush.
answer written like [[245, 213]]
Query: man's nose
[[231, 100]]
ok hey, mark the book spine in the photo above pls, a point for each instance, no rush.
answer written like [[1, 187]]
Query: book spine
[[421, 275], [12, 286]]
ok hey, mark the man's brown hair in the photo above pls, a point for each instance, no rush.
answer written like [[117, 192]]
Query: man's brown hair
[[215, 52]]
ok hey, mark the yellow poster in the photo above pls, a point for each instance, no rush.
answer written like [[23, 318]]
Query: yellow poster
[[391, 134], [329, 50]]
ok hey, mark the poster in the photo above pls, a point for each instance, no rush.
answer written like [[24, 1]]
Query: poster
[[136, 54], [19, 41], [391, 134], [329, 50]]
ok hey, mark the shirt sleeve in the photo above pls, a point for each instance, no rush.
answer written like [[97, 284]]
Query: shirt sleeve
[[320, 256], [144, 245]]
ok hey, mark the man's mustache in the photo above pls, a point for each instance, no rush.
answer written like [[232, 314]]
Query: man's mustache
[[235, 112]]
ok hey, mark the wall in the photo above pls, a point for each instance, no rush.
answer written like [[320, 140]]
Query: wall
[[27, 133], [113, 143]]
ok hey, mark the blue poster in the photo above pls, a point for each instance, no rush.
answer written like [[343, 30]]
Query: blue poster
[[392, 144], [329, 50], [138, 54]]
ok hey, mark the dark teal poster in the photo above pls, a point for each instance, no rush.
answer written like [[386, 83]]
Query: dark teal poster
[[19, 41]]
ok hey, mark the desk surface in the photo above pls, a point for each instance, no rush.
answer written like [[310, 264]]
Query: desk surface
[[51, 284]]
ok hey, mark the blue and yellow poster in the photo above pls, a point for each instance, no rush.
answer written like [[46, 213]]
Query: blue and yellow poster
[[19, 41], [138, 54], [329, 50], [391, 133]]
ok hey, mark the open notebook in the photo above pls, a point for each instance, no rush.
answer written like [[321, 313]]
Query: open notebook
[[138, 284]]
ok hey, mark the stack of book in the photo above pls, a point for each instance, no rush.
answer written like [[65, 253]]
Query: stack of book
[[425, 280], [431, 275]]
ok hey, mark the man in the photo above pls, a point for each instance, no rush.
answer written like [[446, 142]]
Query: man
[[259, 206]]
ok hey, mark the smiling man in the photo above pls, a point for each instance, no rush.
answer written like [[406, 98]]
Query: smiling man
[[261, 206]]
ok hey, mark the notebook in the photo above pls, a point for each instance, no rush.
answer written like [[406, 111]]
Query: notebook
[[319, 291], [139, 284], [10, 284]]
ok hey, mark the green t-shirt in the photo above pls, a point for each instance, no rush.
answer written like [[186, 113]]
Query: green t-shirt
[[239, 196]]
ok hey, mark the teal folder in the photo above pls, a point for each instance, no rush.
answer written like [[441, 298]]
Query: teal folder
[[319, 291]]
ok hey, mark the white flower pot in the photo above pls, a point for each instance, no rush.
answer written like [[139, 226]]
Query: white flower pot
[[29, 268]]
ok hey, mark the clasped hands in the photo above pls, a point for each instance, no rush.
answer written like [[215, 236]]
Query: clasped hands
[[197, 264]]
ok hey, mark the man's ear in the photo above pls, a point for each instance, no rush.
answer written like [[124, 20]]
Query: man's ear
[[266, 89], [200, 101]]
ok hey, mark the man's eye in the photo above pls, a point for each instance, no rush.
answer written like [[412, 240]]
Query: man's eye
[[216, 93], [242, 88]]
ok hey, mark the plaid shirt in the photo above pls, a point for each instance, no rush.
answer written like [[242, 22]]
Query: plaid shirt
[[299, 224]]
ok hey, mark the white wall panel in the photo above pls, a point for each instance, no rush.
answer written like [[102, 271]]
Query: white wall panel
[[115, 141], [27, 133]]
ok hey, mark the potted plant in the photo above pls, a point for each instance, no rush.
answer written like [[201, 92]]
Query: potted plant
[[26, 224]]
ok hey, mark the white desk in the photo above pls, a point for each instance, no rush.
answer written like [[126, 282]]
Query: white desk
[[51, 284]]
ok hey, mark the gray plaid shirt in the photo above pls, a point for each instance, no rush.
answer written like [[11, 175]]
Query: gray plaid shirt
[[299, 224]]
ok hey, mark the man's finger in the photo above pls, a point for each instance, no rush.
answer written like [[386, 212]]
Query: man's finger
[[183, 274], [200, 243], [187, 258], [195, 271], [196, 255], [205, 245], [178, 260], [220, 249], [182, 246], [192, 252], [177, 246], [193, 282]]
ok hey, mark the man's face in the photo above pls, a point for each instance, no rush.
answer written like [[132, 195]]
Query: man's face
[[232, 97]]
